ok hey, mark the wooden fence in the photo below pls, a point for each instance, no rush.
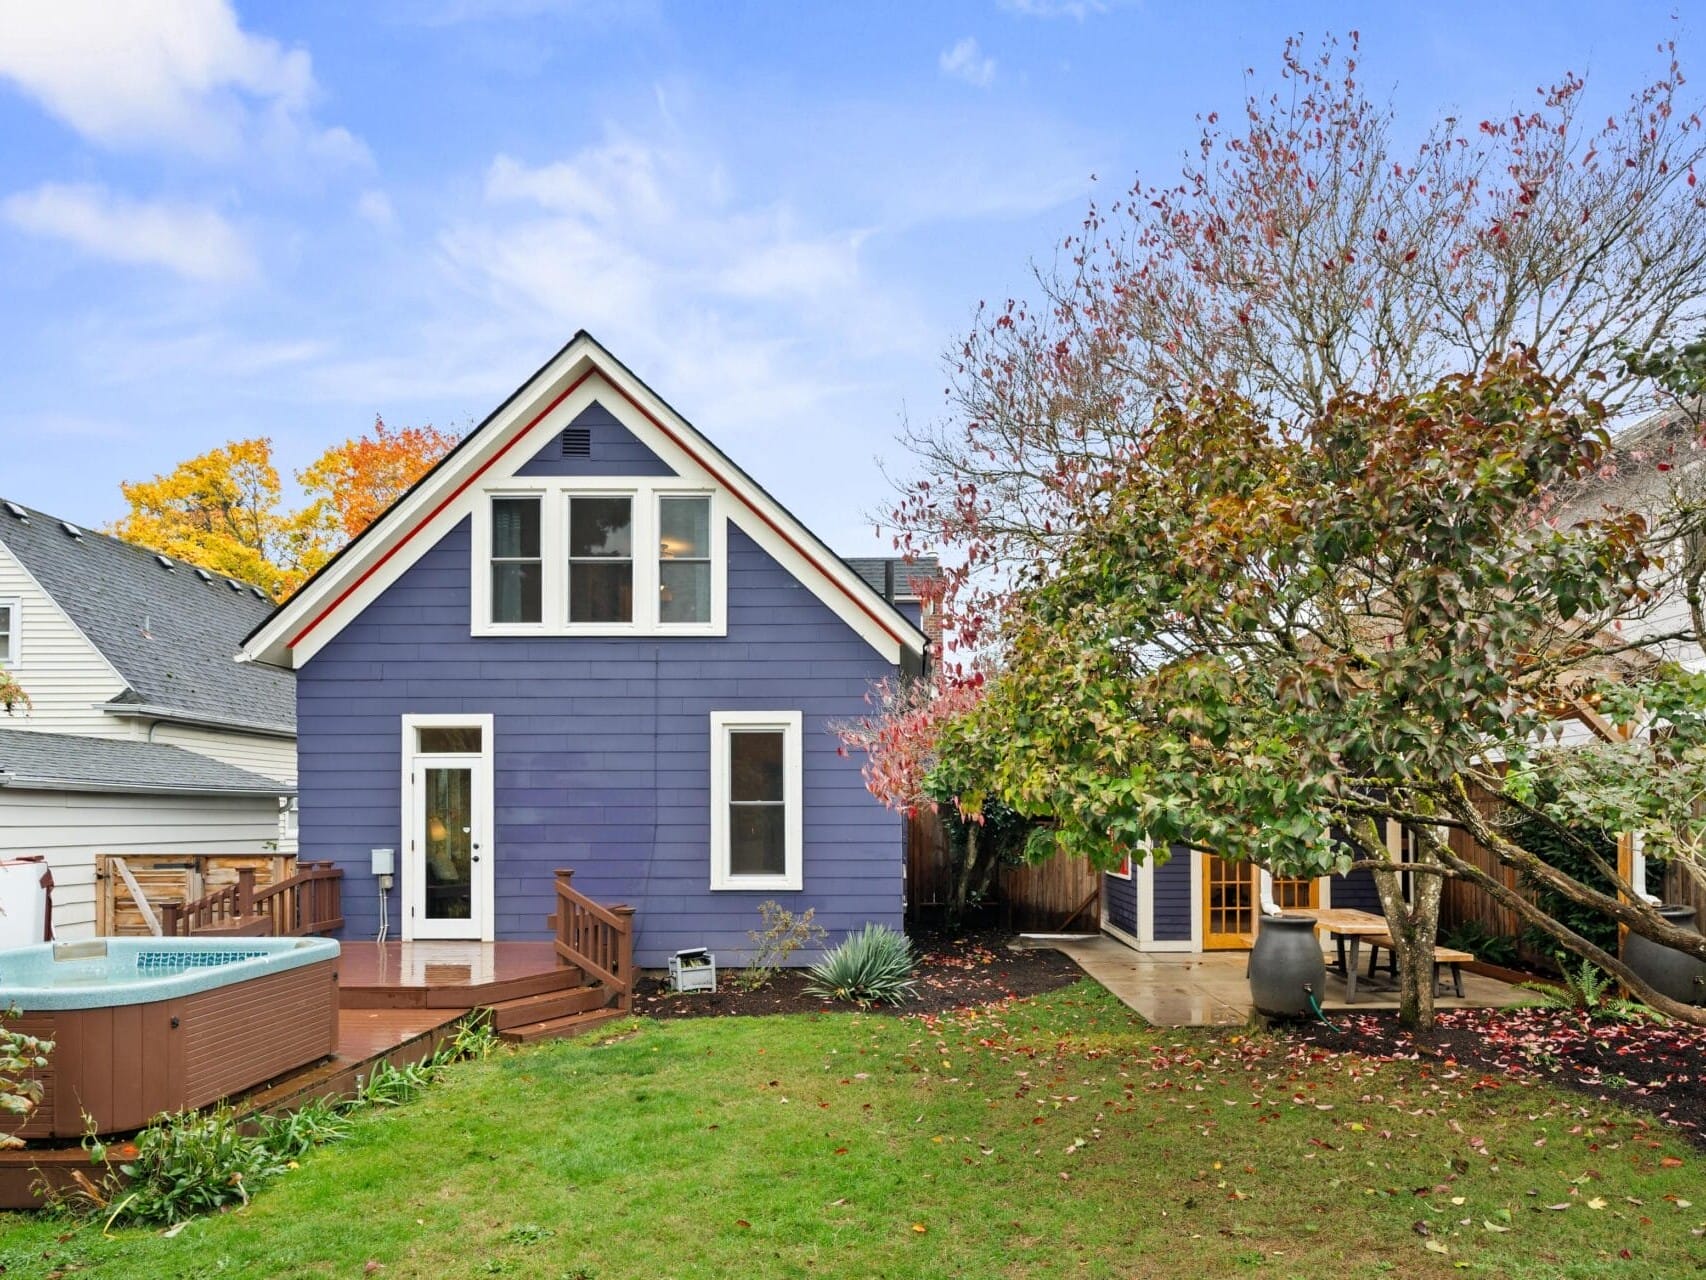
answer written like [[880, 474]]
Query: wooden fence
[[164, 879], [1059, 894]]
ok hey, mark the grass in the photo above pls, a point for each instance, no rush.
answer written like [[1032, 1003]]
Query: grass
[[1053, 1137]]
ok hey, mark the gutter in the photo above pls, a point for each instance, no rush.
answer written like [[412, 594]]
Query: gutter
[[20, 782], [153, 711]]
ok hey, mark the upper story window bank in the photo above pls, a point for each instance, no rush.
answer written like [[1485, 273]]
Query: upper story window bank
[[599, 556]]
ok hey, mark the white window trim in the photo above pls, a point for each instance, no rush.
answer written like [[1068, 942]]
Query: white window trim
[[15, 606], [481, 563], [554, 494], [413, 894], [793, 795]]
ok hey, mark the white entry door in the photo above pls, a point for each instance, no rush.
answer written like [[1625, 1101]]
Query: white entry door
[[447, 825]]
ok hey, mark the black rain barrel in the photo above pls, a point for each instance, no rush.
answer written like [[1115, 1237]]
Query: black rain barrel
[[1669, 971], [1286, 967]]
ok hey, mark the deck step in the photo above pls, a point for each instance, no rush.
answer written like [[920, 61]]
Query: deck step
[[545, 1006], [558, 1028]]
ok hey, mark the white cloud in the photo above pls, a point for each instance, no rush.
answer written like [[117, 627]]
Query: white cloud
[[194, 242], [375, 206], [965, 60], [179, 74]]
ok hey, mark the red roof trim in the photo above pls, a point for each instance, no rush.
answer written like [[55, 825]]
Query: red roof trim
[[431, 515], [521, 435]]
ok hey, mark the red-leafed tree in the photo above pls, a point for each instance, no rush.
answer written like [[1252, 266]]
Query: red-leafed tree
[[1305, 251]]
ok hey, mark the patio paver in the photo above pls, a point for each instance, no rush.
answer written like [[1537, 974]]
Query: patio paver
[[1209, 989]]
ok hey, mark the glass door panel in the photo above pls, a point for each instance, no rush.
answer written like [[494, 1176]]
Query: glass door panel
[[1229, 904], [447, 838]]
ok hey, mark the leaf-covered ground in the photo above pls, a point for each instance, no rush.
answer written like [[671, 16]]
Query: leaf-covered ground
[[1658, 1068], [1042, 1137], [958, 968]]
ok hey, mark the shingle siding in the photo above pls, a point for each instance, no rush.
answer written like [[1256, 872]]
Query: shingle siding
[[601, 752]]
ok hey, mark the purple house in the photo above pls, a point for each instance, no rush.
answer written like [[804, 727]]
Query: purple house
[[588, 639]]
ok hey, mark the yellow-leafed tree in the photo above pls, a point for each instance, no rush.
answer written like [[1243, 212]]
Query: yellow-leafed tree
[[224, 510]]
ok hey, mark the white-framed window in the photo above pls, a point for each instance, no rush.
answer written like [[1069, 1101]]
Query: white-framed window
[[1123, 871], [516, 556], [757, 790], [597, 555], [601, 560], [11, 627]]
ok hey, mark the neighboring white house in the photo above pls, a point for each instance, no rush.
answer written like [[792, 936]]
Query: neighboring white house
[[143, 731]]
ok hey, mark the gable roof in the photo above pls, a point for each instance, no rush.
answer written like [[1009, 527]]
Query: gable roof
[[906, 573], [171, 634], [76, 762], [582, 372]]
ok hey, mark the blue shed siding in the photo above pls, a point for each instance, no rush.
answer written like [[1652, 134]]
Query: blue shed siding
[[1356, 890], [601, 753], [1120, 900], [1173, 898], [615, 451]]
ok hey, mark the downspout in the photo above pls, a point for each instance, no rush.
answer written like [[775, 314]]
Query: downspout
[[1638, 870]]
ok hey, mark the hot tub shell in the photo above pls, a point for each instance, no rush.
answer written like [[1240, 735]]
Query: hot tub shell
[[121, 1064]]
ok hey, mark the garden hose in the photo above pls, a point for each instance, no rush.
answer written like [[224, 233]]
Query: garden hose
[[1316, 1005]]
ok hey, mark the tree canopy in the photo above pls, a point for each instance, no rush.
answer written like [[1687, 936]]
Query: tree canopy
[[225, 511]]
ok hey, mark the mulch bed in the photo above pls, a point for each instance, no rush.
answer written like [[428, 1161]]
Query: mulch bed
[[1655, 1068], [954, 970]]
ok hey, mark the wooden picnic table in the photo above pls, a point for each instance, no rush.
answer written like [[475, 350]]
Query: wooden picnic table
[[1345, 924]]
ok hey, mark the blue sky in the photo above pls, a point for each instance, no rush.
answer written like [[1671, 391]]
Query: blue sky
[[282, 219]]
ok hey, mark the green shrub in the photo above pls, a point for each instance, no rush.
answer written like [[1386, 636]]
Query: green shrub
[[1482, 943], [1546, 842], [873, 964], [186, 1163], [1587, 990]]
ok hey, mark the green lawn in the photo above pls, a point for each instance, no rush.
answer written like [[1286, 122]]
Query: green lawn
[[1056, 1137]]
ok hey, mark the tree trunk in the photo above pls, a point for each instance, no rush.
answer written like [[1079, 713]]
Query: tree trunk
[[964, 870], [1414, 926]]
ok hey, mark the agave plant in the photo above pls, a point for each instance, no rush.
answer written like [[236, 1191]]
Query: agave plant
[[871, 965]]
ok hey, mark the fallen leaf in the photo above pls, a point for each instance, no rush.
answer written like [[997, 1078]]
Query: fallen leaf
[[920, 1228], [1434, 1246]]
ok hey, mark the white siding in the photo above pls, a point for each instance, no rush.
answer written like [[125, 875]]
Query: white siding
[[62, 672], [71, 828], [270, 757]]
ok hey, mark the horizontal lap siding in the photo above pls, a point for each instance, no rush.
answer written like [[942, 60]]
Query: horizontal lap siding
[[69, 828], [1120, 899], [615, 451], [1356, 890], [1173, 897], [601, 754]]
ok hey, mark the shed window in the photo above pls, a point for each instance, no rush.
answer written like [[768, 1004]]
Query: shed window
[[684, 559], [8, 633], [756, 793], [601, 559], [518, 575]]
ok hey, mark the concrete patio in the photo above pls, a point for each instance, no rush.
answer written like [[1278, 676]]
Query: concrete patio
[[1180, 989]]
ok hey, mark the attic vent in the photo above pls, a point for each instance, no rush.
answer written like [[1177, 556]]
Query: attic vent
[[577, 442], [18, 511], [257, 593], [204, 575], [233, 584], [165, 563], [70, 528]]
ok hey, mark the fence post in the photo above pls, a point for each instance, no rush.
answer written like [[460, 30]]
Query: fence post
[[245, 902], [625, 1001], [169, 919]]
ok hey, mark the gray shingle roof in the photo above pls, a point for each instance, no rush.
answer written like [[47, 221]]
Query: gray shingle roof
[[52, 761], [170, 634], [871, 569]]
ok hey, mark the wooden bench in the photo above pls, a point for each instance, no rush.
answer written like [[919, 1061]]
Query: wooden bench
[[1442, 955]]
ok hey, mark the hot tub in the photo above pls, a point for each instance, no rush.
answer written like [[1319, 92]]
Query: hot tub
[[145, 1025]]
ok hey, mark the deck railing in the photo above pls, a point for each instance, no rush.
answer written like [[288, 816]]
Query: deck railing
[[597, 939], [311, 901]]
